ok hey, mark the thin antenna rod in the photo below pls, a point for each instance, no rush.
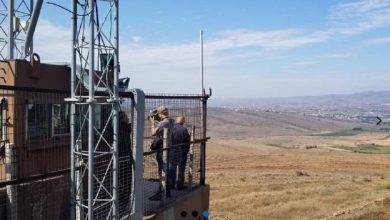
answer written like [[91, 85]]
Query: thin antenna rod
[[201, 59], [11, 36]]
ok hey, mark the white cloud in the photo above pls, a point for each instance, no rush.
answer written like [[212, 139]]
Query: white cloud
[[136, 39], [378, 41], [247, 38], [340, 55], [165, 67], [271, 40], [305, 63], [360, 16], [52, 42]]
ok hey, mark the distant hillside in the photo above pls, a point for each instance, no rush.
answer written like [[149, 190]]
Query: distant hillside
[[241, 124], [350, 100]]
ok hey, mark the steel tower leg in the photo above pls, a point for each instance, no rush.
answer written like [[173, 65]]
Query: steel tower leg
[[115, 100], [95, 70], [73, 185]]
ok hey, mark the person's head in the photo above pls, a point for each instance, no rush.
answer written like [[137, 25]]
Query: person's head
[[181, 120], [162, 112]]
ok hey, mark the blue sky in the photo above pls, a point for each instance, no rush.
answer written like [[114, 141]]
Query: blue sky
[[251, 48]]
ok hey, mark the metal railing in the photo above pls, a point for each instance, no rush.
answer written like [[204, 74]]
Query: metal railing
[[159, 192]]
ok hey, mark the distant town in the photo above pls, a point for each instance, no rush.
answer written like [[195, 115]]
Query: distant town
[[360, 108]]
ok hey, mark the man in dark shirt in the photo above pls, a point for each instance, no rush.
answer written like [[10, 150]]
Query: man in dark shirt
[[180, 135]]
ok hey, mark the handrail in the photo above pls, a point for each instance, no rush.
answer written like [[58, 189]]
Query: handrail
[[197, 141], [31, 89], [122, 94], [150, 96], [41, 176], [34, 177]]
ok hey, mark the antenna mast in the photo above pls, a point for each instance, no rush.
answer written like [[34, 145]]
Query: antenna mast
[[201, 60]]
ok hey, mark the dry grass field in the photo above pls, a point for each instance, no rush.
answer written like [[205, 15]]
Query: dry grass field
[[277, 166]]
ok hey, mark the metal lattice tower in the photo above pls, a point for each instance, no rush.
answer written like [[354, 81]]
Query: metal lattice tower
[[94, 161], [15, 17]]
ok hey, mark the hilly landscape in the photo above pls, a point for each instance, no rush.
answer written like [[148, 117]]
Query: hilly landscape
[[313, 161], [350, 100]]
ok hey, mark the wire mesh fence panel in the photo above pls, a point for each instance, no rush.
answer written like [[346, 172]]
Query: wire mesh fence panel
[[177, 105], [47, 198], [152, 185], [103, 164], [125, 185], [175, 162], [126, 161], [34, 155]]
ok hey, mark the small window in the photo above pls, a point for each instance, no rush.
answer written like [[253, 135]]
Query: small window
[[38, 120], [47, 120], [60, 119]]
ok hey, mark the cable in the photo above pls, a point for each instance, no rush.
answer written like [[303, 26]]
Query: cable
[[62, 7]]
